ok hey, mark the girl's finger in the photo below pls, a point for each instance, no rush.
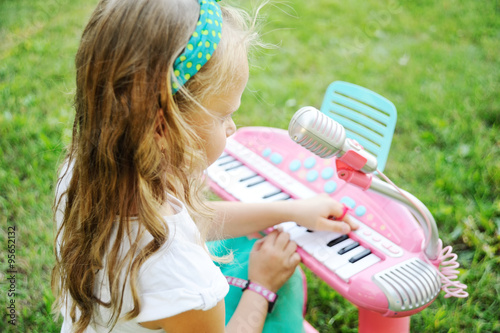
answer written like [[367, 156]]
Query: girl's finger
[[258, 244], [350, 221], [294, 259], [334, 226], [282, 240], [342, 214], [290, 248], [270, 239]]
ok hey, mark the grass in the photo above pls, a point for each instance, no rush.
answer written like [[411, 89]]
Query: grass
[[436, 61]]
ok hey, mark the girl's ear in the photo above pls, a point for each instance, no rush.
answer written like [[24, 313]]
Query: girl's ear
[[160, 126]]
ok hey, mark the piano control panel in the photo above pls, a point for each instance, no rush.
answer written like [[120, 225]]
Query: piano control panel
[[263, 164]]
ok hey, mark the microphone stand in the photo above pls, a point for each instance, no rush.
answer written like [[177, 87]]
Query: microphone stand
[[416, 207], [349, 168]]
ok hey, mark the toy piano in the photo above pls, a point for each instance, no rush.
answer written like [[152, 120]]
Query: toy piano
[[381, 268]]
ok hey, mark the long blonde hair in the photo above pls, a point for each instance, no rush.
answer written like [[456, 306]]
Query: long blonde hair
[[123, 77]]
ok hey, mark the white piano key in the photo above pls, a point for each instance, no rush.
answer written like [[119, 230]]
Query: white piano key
[[219, 176], [260, 191], [241, 196], [249, 182], [335, 262], [230, 165], [329, 235], [318, 248], [241, 173], [230, 180], [300, 190], [304, 238], [296, 232], [313, 247], [348, 270], [224, 159], [212, 172], [243, 190], [257, 192], [286, 226], [323, 237]]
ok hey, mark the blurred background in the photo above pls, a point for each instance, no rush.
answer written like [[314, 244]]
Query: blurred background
[[437, 61]]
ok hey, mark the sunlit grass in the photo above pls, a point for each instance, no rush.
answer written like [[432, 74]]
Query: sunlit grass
[[436, 61]]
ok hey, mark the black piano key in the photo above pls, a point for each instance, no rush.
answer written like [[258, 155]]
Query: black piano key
[[348, 248], [285, 197], [222, 156], [309, 230], [337, 240], [271, 194], [234, 167], [360, 256], [247, 178], [227, 162], [256, 183]]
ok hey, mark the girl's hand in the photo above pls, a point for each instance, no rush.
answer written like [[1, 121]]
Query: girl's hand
[[319, 212], [273, 260]]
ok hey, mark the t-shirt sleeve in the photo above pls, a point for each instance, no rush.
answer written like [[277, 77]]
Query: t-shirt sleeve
[[180, 278]]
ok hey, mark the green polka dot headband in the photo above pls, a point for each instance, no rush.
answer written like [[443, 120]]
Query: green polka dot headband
[[201, 45]]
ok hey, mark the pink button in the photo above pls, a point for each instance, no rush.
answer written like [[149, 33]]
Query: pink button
[[367, 232], [394, 250], [386, 245], [376, 238]]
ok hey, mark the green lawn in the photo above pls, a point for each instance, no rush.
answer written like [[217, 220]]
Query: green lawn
[[437, 61]]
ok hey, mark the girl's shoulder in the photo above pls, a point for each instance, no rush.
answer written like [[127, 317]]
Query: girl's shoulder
[[183, 247]]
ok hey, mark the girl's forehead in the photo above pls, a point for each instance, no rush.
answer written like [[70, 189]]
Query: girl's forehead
[[229, 100]]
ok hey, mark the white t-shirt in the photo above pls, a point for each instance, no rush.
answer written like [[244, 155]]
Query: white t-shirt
[[179, 277]]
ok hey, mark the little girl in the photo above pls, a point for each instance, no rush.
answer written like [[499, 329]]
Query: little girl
[[157, 83]]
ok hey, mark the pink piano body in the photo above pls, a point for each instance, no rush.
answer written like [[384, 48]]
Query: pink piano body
[[388, 230]]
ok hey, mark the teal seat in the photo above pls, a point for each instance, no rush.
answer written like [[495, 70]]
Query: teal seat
[[367, 117]]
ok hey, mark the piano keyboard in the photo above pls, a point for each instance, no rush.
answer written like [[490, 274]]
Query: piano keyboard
[[339, 253]]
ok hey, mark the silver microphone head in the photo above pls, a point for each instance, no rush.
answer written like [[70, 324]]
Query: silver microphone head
[[317, 132]]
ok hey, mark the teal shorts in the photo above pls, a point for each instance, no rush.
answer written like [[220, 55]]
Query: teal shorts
[[287, 315]]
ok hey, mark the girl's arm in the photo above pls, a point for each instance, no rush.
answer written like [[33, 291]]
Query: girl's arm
[[210, 321], [240, 219], [248, 317], [272, 261]]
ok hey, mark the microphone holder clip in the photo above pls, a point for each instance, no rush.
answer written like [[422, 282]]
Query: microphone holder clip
[[349, 167]]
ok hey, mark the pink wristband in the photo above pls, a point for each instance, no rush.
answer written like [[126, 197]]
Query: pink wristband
[[255, 287]]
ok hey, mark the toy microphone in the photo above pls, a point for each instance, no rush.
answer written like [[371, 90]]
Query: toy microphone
[[326, 138]]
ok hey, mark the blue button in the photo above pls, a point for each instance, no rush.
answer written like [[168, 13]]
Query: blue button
[[360, 211], [276, 158], [294, 165], [349, 202], [327, 173], [266, 152], [330, 186], [310, 162], [312, 175]]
